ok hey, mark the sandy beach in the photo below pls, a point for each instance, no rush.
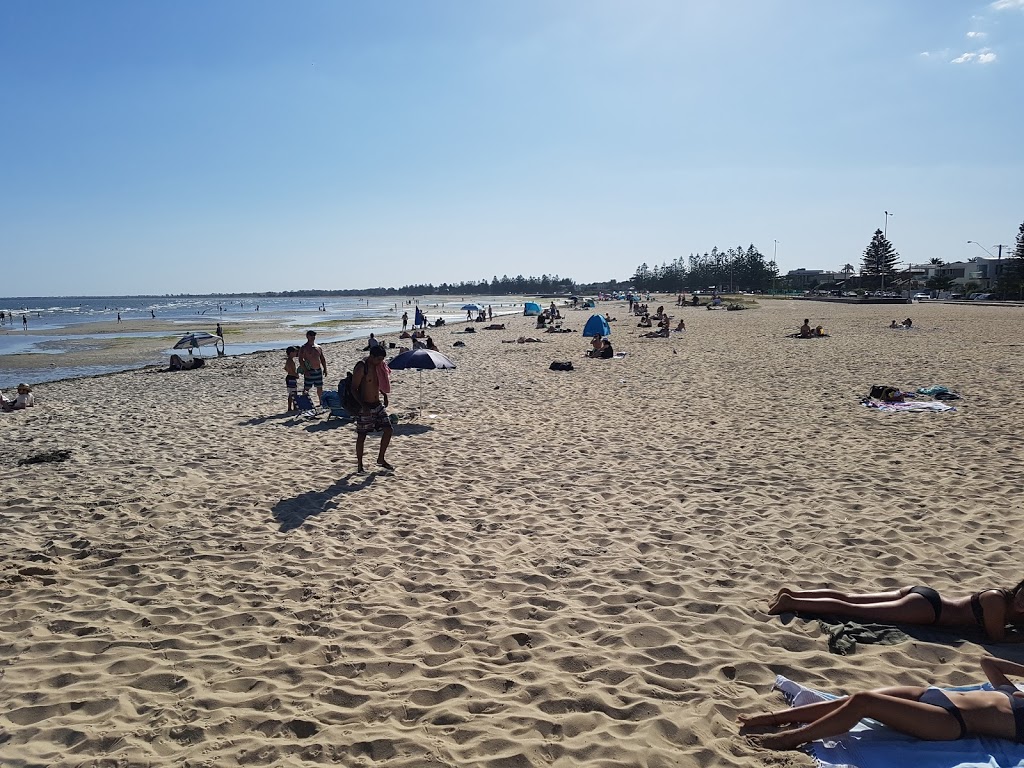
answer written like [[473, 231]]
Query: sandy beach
[[565, 569]]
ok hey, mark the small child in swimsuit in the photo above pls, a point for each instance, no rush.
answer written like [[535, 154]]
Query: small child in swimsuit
[[291, 377]]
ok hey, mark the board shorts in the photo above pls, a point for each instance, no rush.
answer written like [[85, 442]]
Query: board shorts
[[373, 418], [313, 378], [291, 383]]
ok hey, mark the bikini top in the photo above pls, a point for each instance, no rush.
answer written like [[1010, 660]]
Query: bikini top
[[977, 610], [1017, 705]]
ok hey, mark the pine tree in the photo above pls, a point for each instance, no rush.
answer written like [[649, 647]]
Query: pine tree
[[879, 257], [1011, 283]]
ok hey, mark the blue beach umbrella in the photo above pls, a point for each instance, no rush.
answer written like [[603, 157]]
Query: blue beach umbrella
[[471, 307], [421, 360]]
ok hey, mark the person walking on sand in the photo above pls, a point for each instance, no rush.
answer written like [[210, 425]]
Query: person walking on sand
[[313, 365], [371, 379], [220, 331]]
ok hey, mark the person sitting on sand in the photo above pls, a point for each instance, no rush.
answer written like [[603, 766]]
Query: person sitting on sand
[[645, 322], [596, 346], [681, 326], [541, 321], [429, 344], [908, 323], [610, 319], [926, 713], [25, 399], [894, 324], [991, 610], [805, 329], [606, 352]]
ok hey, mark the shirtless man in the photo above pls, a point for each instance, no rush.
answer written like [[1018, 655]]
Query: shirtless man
[[369, 380], [313, 365]]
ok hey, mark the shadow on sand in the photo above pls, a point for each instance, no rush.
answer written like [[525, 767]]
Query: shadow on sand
[[292, 513]]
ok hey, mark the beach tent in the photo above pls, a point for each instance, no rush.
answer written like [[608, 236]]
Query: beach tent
[[597, 326], [589, 303], [531, 309]]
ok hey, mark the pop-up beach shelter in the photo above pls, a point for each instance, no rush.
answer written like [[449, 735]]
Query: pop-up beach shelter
[[597, 326], [531, 309]]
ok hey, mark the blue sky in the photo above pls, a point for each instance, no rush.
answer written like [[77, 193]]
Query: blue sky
[[235, 146]]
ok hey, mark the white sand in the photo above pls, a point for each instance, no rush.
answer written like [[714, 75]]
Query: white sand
[[567, 569]]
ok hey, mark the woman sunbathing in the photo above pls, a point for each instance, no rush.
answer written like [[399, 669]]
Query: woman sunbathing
[[990, 609], [930, 714]]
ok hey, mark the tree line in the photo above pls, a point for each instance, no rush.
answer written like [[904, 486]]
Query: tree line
[[732, 269]]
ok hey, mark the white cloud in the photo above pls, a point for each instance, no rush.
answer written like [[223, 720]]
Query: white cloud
[[976, 35], [1007, 5], [983, 56]]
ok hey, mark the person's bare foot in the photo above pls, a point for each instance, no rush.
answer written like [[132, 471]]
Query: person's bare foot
[[360, 469], [757, 721], [783, 603], [785, 740], [384, 464]]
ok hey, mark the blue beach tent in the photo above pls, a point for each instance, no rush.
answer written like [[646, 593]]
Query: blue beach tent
[[597, 326], [531, 309]]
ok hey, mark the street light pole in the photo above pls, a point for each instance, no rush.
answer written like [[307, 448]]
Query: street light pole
[[885, 236], [775, 267]]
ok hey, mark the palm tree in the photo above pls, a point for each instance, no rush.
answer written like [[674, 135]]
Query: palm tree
[[935, 261]]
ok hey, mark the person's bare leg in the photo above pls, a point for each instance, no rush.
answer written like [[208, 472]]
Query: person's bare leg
[[922, 721], [848, 597], [360, 443], [909, 609], [385, 440], [808, 713]]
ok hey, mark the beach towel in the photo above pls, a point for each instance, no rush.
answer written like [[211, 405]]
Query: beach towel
[[871, 745], [927, 405]]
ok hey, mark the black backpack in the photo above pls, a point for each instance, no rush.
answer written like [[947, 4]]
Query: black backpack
[[349, 401], [557, 366]]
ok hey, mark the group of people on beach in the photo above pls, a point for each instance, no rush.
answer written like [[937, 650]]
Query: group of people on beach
[[927, 713], [371, 381]]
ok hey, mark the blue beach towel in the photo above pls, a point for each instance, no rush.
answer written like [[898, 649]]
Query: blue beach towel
[[871, 745]]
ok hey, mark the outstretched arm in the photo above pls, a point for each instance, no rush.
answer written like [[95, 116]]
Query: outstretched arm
[[996, 670]]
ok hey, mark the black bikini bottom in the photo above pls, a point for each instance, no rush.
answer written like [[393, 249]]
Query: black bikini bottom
[[932, 597]]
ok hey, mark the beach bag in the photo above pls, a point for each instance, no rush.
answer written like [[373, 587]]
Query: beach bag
[[886, 394], [558, 366], [349, 401]]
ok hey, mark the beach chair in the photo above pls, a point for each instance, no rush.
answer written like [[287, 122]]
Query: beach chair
[[335, 409], [305, 405]]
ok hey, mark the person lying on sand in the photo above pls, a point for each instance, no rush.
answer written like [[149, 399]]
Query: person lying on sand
[[495, 327], [991, 609], [926, 713], [894, 324], [659, 334], [523, 340]]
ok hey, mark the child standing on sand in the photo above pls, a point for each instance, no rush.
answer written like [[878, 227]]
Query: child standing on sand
[[291, 377]]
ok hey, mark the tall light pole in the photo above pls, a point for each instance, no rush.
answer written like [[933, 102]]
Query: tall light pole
[[885, 236], [775, 267]]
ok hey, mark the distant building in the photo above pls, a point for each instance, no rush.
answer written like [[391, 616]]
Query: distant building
[[979, 270], [805, 278]]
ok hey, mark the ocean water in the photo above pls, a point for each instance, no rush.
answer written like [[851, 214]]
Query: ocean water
[[59, 316]]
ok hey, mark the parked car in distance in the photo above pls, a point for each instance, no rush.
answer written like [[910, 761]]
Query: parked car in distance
[[955, 296], [922, 295], [981, 296]]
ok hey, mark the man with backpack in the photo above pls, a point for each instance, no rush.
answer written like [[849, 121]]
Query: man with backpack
[[370, 380]]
